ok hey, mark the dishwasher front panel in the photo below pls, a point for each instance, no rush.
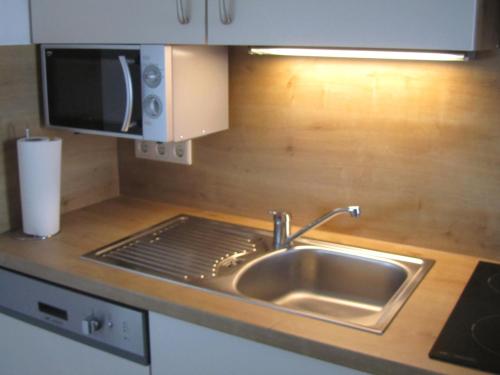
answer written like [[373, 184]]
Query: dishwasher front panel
[[26, 349], [103, 324]]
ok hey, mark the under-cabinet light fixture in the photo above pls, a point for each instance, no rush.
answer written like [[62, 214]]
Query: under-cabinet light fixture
[[360, 54]]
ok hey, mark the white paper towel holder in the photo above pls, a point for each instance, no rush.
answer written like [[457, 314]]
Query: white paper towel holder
[[20, 234]]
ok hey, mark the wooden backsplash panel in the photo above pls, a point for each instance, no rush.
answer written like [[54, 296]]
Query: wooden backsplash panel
[[89, 164], [416, 144]]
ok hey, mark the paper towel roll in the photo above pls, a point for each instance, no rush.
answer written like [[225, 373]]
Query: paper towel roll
[[40, 180]]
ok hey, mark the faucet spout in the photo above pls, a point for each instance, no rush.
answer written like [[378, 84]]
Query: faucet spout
[[282, 237]]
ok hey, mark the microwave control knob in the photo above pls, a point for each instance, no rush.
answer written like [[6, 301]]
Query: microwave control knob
[[152, 106], [90, 325], [152, 76]]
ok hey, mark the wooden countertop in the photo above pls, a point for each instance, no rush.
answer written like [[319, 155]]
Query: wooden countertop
[[403, 348]]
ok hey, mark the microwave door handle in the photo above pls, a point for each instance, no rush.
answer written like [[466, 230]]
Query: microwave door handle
[[129, 101]]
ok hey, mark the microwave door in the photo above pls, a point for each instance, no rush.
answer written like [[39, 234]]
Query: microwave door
[[94, 90]]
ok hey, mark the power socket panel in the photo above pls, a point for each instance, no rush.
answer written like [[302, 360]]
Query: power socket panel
[[171, 152]]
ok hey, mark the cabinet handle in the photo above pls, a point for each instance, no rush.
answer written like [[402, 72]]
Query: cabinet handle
[[224, 13], [129, 101], [181, 14]]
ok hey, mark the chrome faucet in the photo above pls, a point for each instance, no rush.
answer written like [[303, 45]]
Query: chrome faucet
[[281, 234]]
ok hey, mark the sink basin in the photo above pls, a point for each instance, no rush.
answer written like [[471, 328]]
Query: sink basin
[[355, 287], [351, 286]]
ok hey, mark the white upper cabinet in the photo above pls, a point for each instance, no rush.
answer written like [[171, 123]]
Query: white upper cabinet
[[118, 21], [453, 25], [14, 22], [445, 25]]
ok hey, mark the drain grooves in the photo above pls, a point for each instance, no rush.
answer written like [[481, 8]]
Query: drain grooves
[[184, 249]]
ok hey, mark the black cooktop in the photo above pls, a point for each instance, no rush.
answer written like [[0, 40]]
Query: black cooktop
[[471, 336]]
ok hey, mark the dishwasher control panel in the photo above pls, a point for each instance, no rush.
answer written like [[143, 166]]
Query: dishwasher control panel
[[106, 325]]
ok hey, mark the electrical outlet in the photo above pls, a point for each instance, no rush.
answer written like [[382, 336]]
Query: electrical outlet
[[143, 149], [173, 152]]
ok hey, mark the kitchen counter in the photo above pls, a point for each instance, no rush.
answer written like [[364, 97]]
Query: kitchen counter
[[403, 348]]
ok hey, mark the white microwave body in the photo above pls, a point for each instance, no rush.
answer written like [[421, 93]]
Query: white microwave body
[[149, 92]]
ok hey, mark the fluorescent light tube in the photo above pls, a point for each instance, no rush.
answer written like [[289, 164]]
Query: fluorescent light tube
[[360, 54]]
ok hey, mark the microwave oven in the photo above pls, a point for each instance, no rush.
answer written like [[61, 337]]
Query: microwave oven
[[147, 92]]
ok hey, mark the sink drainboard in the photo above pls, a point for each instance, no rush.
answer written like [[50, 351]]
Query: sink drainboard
[[185, 248]]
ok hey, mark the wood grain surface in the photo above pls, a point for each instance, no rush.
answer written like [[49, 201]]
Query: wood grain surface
[[416, 144], [89, 164], [402, 349]]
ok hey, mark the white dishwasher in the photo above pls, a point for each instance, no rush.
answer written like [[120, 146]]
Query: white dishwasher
[[46, 329]]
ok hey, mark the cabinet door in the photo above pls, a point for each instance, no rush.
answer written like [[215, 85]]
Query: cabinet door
[[118, 21], [181, 348], [407, 24], [14, 22]]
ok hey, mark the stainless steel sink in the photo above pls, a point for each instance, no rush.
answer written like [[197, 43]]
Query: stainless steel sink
[[351, 286], [355, 287]]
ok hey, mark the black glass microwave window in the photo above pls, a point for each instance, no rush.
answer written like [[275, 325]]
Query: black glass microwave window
[[86, 89]]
